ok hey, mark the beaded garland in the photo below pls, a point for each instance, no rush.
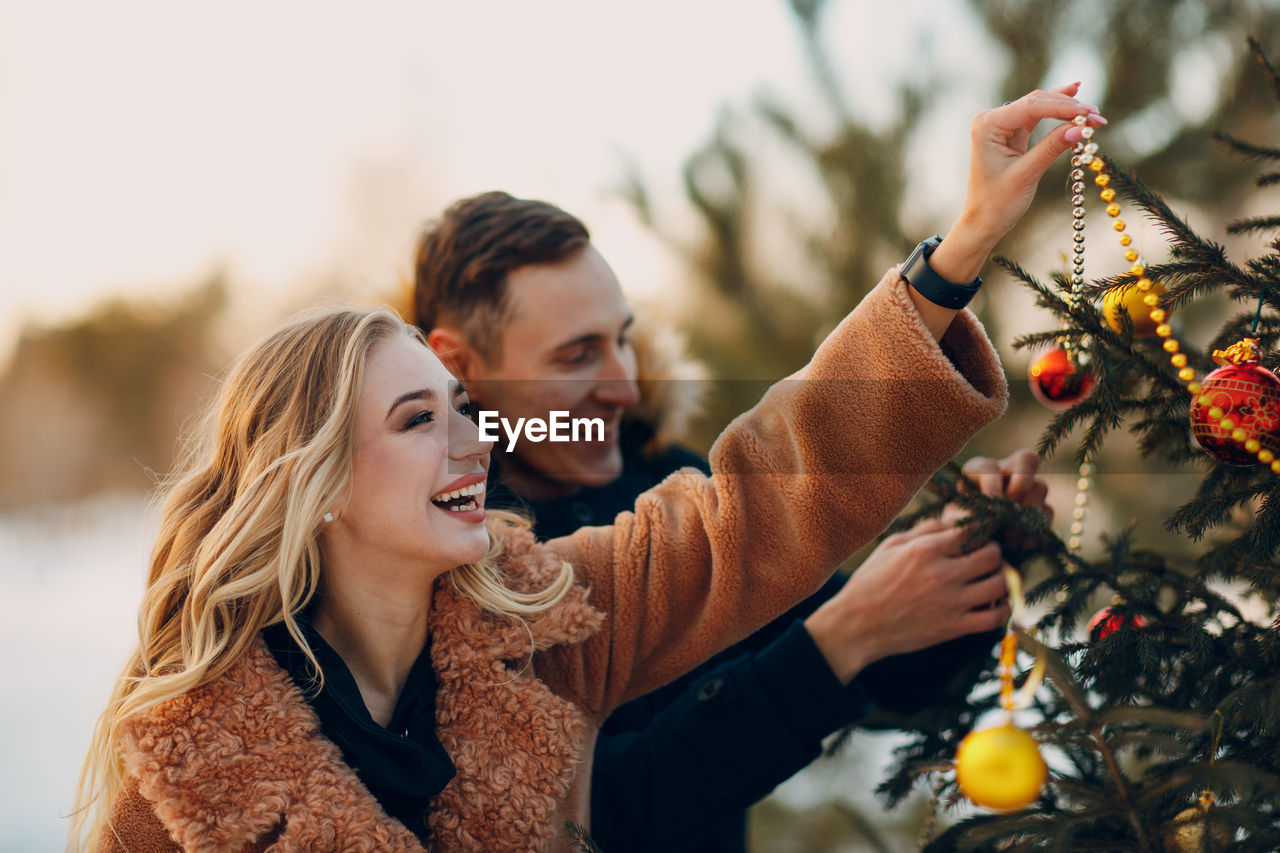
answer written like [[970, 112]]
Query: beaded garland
[[1086, 155], [1083, 154]]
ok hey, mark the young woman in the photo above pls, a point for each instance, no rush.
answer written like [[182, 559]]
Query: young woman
[[339, 649]]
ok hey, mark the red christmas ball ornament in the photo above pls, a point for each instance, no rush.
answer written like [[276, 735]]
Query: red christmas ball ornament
[[1056, 380], [1106, 622], [1236, 416]]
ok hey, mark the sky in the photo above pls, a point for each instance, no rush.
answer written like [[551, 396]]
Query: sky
[[145, 146]]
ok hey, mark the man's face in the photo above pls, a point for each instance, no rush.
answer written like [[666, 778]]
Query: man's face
[[565, 346]]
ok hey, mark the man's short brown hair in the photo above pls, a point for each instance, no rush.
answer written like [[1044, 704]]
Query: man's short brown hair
[[460, 275]]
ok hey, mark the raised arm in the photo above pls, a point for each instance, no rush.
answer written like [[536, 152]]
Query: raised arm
[[1003, 175], [801, 481], [821, 464]]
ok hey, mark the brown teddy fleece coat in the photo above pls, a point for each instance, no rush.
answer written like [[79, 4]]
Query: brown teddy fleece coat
[[814, 471]]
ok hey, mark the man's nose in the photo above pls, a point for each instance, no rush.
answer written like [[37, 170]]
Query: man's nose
[[465, 443], [617, 384]]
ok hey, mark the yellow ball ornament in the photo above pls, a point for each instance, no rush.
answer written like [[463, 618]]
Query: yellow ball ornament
[[1000, 768], [1195, 830], [1131, 299]]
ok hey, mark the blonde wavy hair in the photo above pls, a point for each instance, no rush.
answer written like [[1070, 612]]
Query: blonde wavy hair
[[238, 546]]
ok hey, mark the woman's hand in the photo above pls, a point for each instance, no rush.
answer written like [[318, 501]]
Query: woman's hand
[[1004, 173]]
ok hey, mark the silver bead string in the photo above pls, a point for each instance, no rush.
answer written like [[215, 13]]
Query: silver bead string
[[930, 816], [1083, 486], [1081, 155]]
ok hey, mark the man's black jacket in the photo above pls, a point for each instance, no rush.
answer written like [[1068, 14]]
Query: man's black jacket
[[676, 770]]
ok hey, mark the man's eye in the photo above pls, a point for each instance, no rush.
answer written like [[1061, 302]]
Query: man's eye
[[420, 419], [577, 355]]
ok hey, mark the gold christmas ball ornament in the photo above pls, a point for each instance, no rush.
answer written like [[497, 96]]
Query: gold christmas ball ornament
[[1000, 768], [1196, 831], [1131, 299]]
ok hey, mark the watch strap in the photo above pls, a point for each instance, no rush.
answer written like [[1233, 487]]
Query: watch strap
[[929, 284]]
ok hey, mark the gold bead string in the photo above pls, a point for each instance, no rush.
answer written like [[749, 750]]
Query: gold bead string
[[1008, 658], [1159, 316]]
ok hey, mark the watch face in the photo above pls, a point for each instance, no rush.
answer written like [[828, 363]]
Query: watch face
[[917, 266], [932, 286]]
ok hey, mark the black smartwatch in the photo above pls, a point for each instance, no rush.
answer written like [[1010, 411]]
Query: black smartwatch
[[932, 286]]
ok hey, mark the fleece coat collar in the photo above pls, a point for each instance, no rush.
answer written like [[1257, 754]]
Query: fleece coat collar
[[240, 763]]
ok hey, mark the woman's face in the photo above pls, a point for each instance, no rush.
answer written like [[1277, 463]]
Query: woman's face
[[416, 502]]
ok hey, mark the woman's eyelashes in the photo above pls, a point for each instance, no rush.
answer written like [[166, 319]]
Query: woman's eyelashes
[[423, 417], [466, 408]]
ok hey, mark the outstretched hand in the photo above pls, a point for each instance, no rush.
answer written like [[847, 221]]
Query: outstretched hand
[[1004, 170]]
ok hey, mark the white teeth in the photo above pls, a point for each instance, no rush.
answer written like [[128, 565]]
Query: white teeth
[[473, 489], [466, 507]]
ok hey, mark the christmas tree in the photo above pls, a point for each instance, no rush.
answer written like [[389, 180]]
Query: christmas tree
[[1160, 722]]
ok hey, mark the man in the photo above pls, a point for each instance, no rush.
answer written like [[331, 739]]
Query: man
[[523, 309]]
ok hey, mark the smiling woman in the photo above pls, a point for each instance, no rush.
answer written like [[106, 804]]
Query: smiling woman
[[341, 648], [302, 464]]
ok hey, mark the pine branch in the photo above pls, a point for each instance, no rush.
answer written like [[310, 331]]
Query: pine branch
[[1252, 224], [1191, 252], [1247, 149], [1222, 490], [580, 838], [1256, 49]]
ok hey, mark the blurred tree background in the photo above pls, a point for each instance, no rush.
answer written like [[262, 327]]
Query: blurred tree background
[[96, 404], [771, 281], [766, 277]]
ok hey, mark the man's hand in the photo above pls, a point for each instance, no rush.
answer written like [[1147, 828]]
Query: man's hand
[[1013, 478], [914, 591], [917, 590]]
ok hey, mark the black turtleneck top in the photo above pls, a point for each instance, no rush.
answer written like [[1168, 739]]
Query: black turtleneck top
[[403, 765]]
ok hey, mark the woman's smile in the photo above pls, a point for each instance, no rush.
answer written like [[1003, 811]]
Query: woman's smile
[[463, 498]]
